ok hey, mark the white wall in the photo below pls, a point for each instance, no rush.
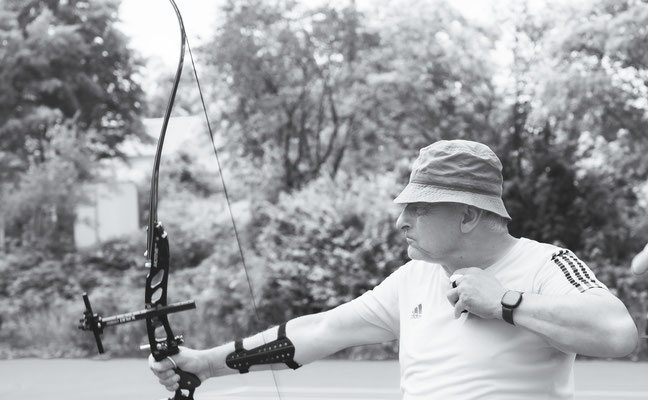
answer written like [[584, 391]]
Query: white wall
[[110, 212]]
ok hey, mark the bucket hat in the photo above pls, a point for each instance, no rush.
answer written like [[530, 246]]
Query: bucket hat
[[457, 171]]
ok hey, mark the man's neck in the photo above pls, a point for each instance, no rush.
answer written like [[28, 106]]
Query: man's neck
[[481, 252]]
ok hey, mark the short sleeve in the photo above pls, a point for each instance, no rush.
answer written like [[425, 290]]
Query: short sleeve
[[564, 273], [380, 306]]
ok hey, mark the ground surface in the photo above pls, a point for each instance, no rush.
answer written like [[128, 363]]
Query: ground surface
[[128, 379]]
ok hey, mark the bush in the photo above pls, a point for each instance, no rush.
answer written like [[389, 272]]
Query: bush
[[326, 244]]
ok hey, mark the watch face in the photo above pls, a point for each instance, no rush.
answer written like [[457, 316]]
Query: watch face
[[511, 298]]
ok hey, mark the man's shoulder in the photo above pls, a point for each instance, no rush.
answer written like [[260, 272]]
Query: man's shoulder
[[547, 250], [546, 257], [530, 246], [528, 257]]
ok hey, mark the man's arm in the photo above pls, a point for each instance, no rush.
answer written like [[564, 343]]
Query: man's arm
[[314, 336], [593, 323]]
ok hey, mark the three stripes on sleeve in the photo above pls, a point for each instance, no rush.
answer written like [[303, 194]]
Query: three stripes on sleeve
[[576, 272]]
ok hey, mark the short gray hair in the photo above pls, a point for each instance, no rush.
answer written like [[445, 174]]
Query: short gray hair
[[494, 222]]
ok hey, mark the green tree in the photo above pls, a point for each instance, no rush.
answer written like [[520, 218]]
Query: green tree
[[315, 90], [600, 72], [67, 99], [431, 79], [571, 159], [63, 60], [292, 77], [39, 209]]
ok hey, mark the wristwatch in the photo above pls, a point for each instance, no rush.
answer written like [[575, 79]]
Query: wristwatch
[[510, 301]]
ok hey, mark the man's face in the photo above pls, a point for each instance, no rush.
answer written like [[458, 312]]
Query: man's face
[[432, 230]]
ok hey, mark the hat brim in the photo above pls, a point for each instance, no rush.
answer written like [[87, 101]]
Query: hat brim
[[420, 193]]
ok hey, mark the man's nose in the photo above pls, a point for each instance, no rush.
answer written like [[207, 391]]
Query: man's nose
[[403, 221]]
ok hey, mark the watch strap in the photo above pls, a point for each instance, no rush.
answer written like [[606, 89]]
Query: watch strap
[[507, 314], [507, 309]]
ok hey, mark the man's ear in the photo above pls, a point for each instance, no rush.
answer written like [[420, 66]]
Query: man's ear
[[470, 218]]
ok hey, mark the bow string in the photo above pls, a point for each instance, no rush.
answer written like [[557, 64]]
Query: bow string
[[228, 201]]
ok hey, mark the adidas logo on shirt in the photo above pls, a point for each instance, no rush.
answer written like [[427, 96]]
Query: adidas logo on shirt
[[418, 312]]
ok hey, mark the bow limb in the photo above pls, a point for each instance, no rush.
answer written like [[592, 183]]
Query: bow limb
[[153, 203]]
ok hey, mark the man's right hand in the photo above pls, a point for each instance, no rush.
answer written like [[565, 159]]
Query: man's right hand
[[188, 360]]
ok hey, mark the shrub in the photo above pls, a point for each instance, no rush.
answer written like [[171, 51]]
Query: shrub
[[326, 244]]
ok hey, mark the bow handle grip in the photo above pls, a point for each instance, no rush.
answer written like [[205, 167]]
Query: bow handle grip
[[188, 384]]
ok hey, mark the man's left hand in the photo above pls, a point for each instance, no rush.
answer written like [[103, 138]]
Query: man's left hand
[[477, 292]]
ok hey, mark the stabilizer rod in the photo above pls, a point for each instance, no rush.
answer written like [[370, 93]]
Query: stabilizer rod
[[96, 323]]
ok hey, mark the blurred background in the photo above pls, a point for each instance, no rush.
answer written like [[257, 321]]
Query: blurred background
[[318, 109]]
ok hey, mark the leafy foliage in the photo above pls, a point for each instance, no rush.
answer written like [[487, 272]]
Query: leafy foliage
[[67, 98], [64, 60], [326, 244], [293, 74], [431, 79], [38, 209], [320, 89]]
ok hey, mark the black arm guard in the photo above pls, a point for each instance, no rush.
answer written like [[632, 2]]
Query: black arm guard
[[278, 351]]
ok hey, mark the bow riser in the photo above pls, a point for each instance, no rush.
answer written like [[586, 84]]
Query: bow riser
[[162, 342]]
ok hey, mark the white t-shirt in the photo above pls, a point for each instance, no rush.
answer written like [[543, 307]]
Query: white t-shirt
[[473, 358]]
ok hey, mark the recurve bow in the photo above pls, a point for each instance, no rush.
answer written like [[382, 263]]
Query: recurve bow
[[163, 342]]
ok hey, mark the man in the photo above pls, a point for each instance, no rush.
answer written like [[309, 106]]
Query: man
[[479, 314]]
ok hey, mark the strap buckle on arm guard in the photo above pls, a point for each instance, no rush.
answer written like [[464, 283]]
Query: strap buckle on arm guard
[[278, 351]]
